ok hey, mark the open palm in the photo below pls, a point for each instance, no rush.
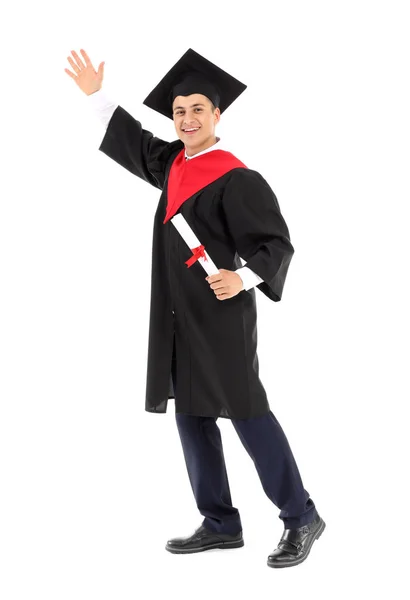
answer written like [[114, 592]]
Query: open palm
[[86, 77]]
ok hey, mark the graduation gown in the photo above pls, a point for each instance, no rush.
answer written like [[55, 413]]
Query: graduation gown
[[211, 344]]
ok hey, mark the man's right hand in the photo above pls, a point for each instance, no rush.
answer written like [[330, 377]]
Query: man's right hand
[[86, 77]]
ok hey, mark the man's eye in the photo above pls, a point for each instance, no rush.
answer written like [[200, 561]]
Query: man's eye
[[179, 112]]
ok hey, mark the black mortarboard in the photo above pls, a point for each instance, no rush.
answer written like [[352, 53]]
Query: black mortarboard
[[194, 74]]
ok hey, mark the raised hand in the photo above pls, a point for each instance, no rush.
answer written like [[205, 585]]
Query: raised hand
[[86, 77]]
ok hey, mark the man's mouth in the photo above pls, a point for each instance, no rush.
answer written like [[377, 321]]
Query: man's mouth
[[190, 130]]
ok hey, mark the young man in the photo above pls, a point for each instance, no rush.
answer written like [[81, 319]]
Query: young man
[[202, 337]]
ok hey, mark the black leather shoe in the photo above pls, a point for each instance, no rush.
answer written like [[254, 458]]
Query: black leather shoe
[[295, 544], [203, 539]]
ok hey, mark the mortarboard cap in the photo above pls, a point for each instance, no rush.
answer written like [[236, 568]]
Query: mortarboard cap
[[194, 74]]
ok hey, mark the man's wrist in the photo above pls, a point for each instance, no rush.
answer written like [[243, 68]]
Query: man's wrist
[[249, 278]]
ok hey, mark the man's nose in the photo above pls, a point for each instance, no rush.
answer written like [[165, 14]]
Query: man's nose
[[189, 119]]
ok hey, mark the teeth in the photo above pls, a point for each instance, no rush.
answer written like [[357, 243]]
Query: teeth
[[193, 129]]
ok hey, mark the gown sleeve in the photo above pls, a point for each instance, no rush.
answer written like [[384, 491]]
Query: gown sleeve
[[258, 229], [136, 149]]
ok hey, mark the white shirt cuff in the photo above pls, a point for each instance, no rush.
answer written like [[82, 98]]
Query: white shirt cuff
[[102, 106], [249, 277]]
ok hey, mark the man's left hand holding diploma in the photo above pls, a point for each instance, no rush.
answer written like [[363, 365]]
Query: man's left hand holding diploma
[[225, 284]]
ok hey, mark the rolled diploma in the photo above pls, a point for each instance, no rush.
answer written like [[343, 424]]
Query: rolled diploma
[[192, 241]]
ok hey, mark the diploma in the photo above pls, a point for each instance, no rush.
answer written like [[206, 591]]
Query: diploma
[[198, 250]]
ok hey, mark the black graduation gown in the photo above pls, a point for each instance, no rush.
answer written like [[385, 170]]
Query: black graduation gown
[[211, 343]]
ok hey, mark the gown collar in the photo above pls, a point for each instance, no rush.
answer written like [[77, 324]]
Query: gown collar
[[216, 146]]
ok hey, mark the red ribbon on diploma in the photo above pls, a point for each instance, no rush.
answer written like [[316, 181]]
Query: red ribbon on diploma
[[198, 252]]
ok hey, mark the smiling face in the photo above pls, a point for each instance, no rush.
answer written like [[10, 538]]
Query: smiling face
[[195, 119]]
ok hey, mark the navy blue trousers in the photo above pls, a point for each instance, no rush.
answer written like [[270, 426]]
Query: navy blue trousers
[[268, 447]]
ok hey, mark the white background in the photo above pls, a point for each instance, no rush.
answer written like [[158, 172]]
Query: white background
[[92, 486]]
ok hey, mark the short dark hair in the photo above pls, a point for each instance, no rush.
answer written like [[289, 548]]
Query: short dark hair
[[212, 104]]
